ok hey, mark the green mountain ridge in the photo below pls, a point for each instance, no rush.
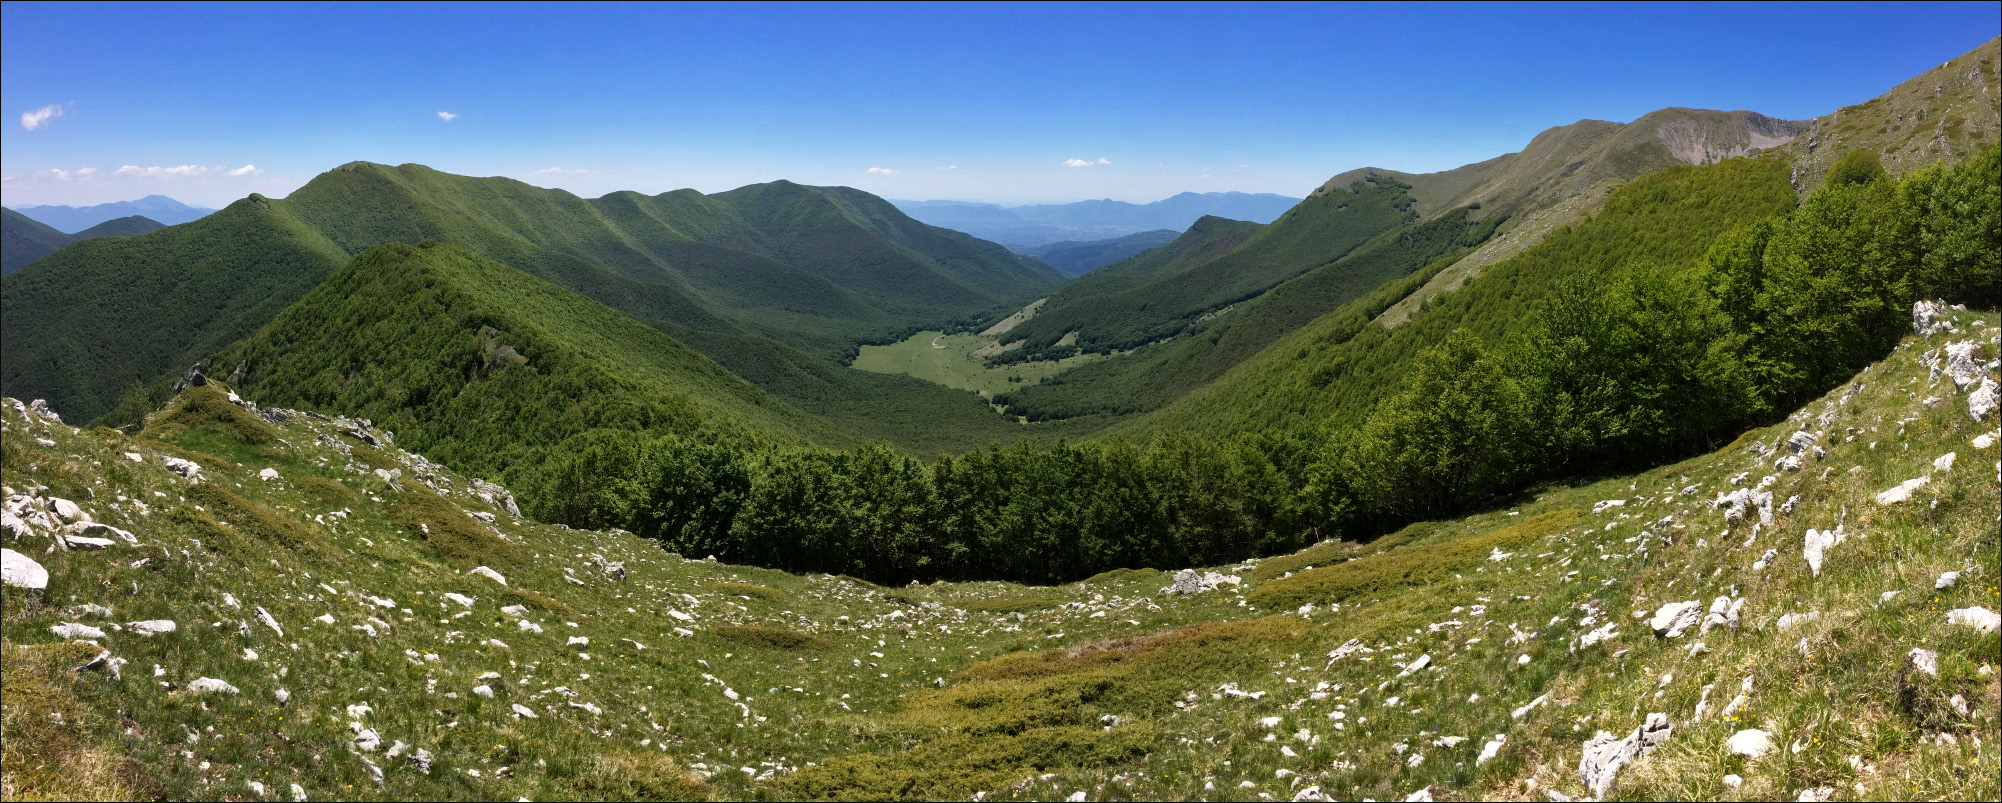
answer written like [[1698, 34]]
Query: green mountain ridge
[[24, 239], [779, 282]]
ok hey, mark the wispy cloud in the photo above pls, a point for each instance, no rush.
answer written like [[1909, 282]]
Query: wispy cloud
[[882, 171], [446, 116], [948, 167], [40, 117], [1085, 162], [246, 170], [180, 171], [561, 171]]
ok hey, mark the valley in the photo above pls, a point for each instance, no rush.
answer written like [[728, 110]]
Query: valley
[[1649, 460]]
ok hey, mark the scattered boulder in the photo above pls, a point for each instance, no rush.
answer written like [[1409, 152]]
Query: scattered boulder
[[1816, 550], [1671, 620], [188, 469], [1929, 318], [1490, 749], [72, 630], [523, 711], [211, 686], [1187, 582], [489, 574], [1961, 366], [40, 407], [21, 571], [151, 626], [1983, 400], [268, 474], [1605, 757]]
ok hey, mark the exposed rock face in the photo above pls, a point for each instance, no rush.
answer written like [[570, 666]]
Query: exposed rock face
[[41, 408], [1605, 756], [1960, 364], [1902, 491], [1929, 318]]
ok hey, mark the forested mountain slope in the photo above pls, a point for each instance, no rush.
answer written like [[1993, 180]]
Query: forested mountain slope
[[24, 239], [777, 281]]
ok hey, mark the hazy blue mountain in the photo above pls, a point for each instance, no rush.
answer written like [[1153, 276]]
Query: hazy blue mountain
[[1086, 221], [1076, 258], [73, 219]]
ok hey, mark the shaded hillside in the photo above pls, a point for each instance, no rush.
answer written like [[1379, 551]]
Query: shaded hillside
[[1074, 258], [1158, 373], [778, 282], [24, 240], [484, 366], [1124, 306]]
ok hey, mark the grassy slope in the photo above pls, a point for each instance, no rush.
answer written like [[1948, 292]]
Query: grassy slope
[[1333, 370], [1944, 115], [1110, 313], [825, 687]]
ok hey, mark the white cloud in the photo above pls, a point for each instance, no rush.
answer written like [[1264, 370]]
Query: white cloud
[[446, 116], [246, 170], [40, 117], [86, 172], [1085, 162], [882, 171], [948, 167], [166, 172], [560, 171]]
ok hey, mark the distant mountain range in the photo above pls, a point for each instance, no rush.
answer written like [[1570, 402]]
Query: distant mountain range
[[72, 219], [1075, 258], [1020, 227], [24, 239]]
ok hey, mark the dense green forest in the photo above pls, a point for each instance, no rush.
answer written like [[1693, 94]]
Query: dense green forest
[[1659, 328]]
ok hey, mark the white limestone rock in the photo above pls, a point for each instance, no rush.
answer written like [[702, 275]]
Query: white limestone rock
[[1977, 617], [211, 686], [72, 630], [151, 626], [1605, 757], [1750, 743], [21, 571], [489, 574], [1983, 400], [1923, 660], [1671, 620]]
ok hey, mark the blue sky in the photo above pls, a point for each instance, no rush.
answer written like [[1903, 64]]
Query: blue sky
[[1005, 103]]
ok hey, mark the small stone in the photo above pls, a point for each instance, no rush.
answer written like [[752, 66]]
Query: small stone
[[1902, 491], [1671, 620], [1977, 617], [1750, 743], [268, 474], [489, 574], [211, 686], [523, 711], [151, 626]]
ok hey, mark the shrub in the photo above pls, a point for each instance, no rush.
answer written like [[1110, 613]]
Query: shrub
[[1413, 566], [771, 638]]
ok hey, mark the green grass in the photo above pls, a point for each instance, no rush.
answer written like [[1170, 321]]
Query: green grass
[[958, 361], [847, 690]]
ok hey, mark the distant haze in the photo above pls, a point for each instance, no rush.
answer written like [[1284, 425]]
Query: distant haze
[[1021, 227], [73, 219]]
